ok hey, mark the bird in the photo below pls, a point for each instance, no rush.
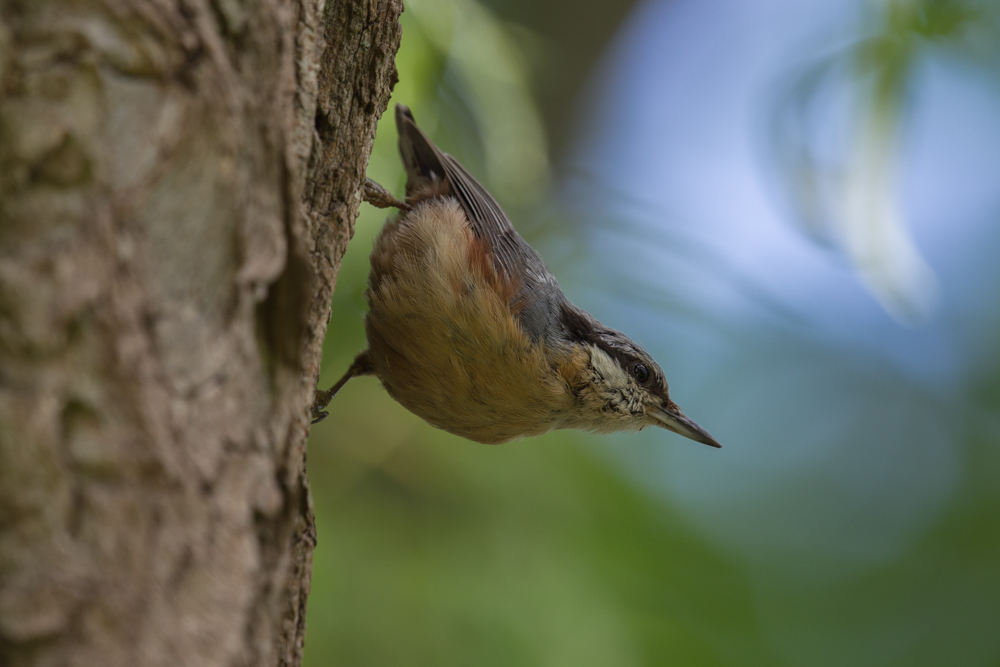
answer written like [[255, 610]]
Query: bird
[[468, 329]]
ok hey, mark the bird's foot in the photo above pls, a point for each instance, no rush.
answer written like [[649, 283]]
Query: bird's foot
[[379, 197], [361, 366], [322, 400]]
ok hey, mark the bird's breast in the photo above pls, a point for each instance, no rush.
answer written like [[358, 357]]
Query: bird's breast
[[444, 338]]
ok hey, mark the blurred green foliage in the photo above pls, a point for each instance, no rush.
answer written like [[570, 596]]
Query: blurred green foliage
[[465, 77], [437, 551]]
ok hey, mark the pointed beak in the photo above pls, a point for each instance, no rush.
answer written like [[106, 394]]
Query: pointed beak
[[671, 418]]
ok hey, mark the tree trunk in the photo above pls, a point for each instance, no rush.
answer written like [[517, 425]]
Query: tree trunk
[[178, 182]]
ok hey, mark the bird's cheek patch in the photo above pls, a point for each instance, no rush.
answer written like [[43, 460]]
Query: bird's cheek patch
[[607, 368]]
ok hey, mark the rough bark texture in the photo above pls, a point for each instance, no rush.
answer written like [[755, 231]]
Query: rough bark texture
[[178, 182]]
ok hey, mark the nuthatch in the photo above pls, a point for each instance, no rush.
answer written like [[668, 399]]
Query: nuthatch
[[469, 330]]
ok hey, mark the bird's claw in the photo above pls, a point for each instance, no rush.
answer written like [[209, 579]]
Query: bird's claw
[[323, 398], [361, 366]]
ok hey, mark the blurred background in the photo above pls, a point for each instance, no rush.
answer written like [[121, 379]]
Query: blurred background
[[793, 205]]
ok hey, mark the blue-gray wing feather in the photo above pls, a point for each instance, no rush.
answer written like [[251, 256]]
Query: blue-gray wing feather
[[537, 302]]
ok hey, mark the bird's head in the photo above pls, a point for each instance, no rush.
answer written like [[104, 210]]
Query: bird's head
[[619, 387]]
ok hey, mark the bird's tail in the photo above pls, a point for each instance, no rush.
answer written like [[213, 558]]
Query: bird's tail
[[421, 158]]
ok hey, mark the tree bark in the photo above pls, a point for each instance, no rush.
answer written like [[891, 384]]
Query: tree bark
[[179, 180]]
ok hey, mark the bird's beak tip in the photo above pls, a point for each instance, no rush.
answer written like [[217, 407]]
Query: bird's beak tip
[[675, 420], [701, 436]]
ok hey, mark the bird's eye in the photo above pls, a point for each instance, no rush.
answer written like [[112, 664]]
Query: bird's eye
[[640, 373]]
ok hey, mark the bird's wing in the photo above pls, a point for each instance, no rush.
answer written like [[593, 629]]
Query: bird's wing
[[538, 296], [511, 253]]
